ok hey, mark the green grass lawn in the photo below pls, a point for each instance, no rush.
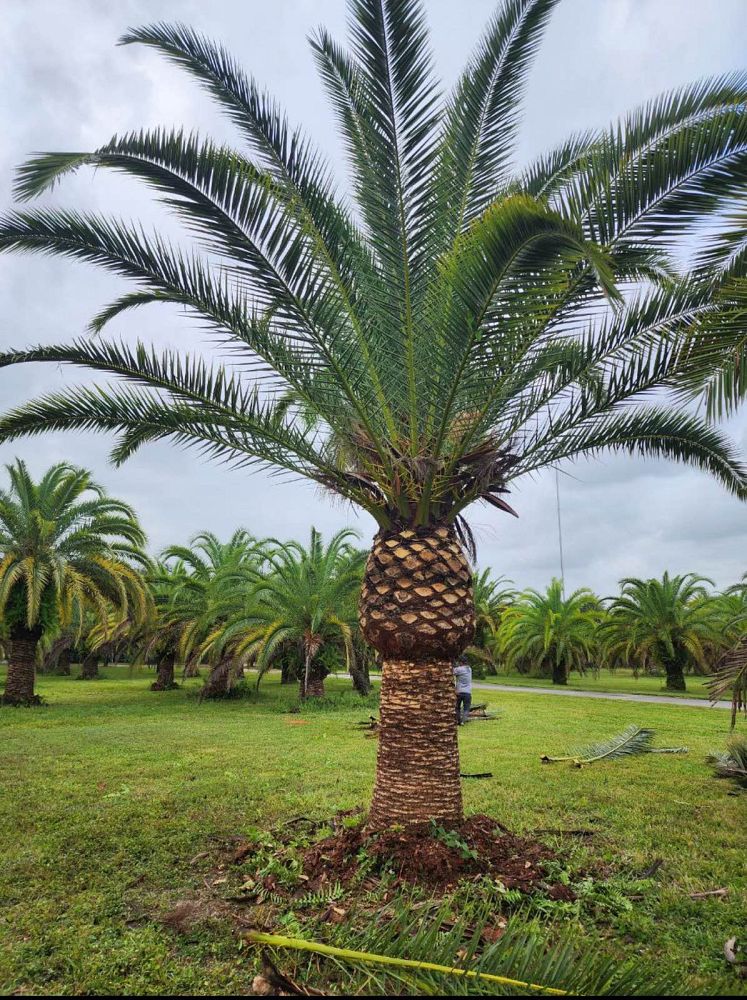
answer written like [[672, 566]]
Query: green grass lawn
[[609, 681], [111, 795]]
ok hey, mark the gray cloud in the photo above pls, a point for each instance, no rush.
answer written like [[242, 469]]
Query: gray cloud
[[66, 86]]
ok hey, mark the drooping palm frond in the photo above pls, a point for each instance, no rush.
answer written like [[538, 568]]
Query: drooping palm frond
[[67, 551], [460, 325], [730, 678], [632, 740]]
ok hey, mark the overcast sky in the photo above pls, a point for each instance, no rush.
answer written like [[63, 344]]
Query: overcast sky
[[66, 86]]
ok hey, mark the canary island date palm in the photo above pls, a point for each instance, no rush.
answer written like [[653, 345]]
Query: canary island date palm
[[416, 347], [307, 598], [668, 624], [209, 579], [68, 554], [553, 633]]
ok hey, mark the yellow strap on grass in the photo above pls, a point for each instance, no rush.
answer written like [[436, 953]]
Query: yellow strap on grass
[[299, 944]]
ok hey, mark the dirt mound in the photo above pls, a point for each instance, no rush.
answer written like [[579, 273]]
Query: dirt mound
[[435, 856]]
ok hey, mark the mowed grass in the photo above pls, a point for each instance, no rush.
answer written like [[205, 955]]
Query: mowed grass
[[111, 795], [614, 681]]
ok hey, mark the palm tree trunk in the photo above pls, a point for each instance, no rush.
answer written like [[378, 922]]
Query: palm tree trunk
[[417, 766], [417, 611], [675, 676], [192, 668], [218, 682], [360, 676], [559, 674], [312, 681], [63, 663], [165, 674], [89, 668], [19, 683], [286, 673]]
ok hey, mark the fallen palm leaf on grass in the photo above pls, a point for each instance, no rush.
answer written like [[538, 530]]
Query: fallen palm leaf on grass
[[350, 955], [440, 956], [731, 763], [632, 740]]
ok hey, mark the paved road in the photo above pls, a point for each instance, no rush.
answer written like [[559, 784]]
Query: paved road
[[651, 699]]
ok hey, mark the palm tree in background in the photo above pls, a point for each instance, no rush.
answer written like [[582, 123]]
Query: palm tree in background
[[492, 595], [668, 624], [307, 599], [68, 553], [553, 633], [460, 325], [208, 581]]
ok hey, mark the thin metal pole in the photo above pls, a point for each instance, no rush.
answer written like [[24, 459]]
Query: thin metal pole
[[560, 530]]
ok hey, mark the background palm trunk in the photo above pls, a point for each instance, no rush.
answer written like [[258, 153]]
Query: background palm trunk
[[19, 683], [89, 668], [360, 676], [312, 681], [287, 673], [675, 677], [559, 674], [218, 682], [417, 766], [64, 660], [165, 674]]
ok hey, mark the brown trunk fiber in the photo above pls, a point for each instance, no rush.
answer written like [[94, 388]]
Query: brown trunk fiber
[[315, 687], [165, 674], [417, 767], [218, 682], [417, 610], [312, 682], [19, 683], [192, 668], [89, 668]]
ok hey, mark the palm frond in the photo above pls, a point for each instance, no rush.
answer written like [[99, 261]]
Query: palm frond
[[731, 763], [413, 955], [632, 740]]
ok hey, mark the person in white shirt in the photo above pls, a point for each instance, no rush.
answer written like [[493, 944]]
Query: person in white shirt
[[463, 681]]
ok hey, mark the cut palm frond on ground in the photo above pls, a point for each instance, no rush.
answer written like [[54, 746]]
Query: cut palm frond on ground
[[478, 712], [732, 763], [632, 740], [443, 957]]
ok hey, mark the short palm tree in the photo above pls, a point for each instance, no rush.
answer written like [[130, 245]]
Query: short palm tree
[[159, 638], [668, 624], [208, 580], [553, 633], [463, 325], [307, 598], [67, 554]]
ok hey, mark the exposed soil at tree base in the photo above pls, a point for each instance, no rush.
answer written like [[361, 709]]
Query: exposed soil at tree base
[[436, 858]]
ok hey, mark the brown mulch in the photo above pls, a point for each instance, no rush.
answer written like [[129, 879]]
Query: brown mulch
[[418, 856]]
